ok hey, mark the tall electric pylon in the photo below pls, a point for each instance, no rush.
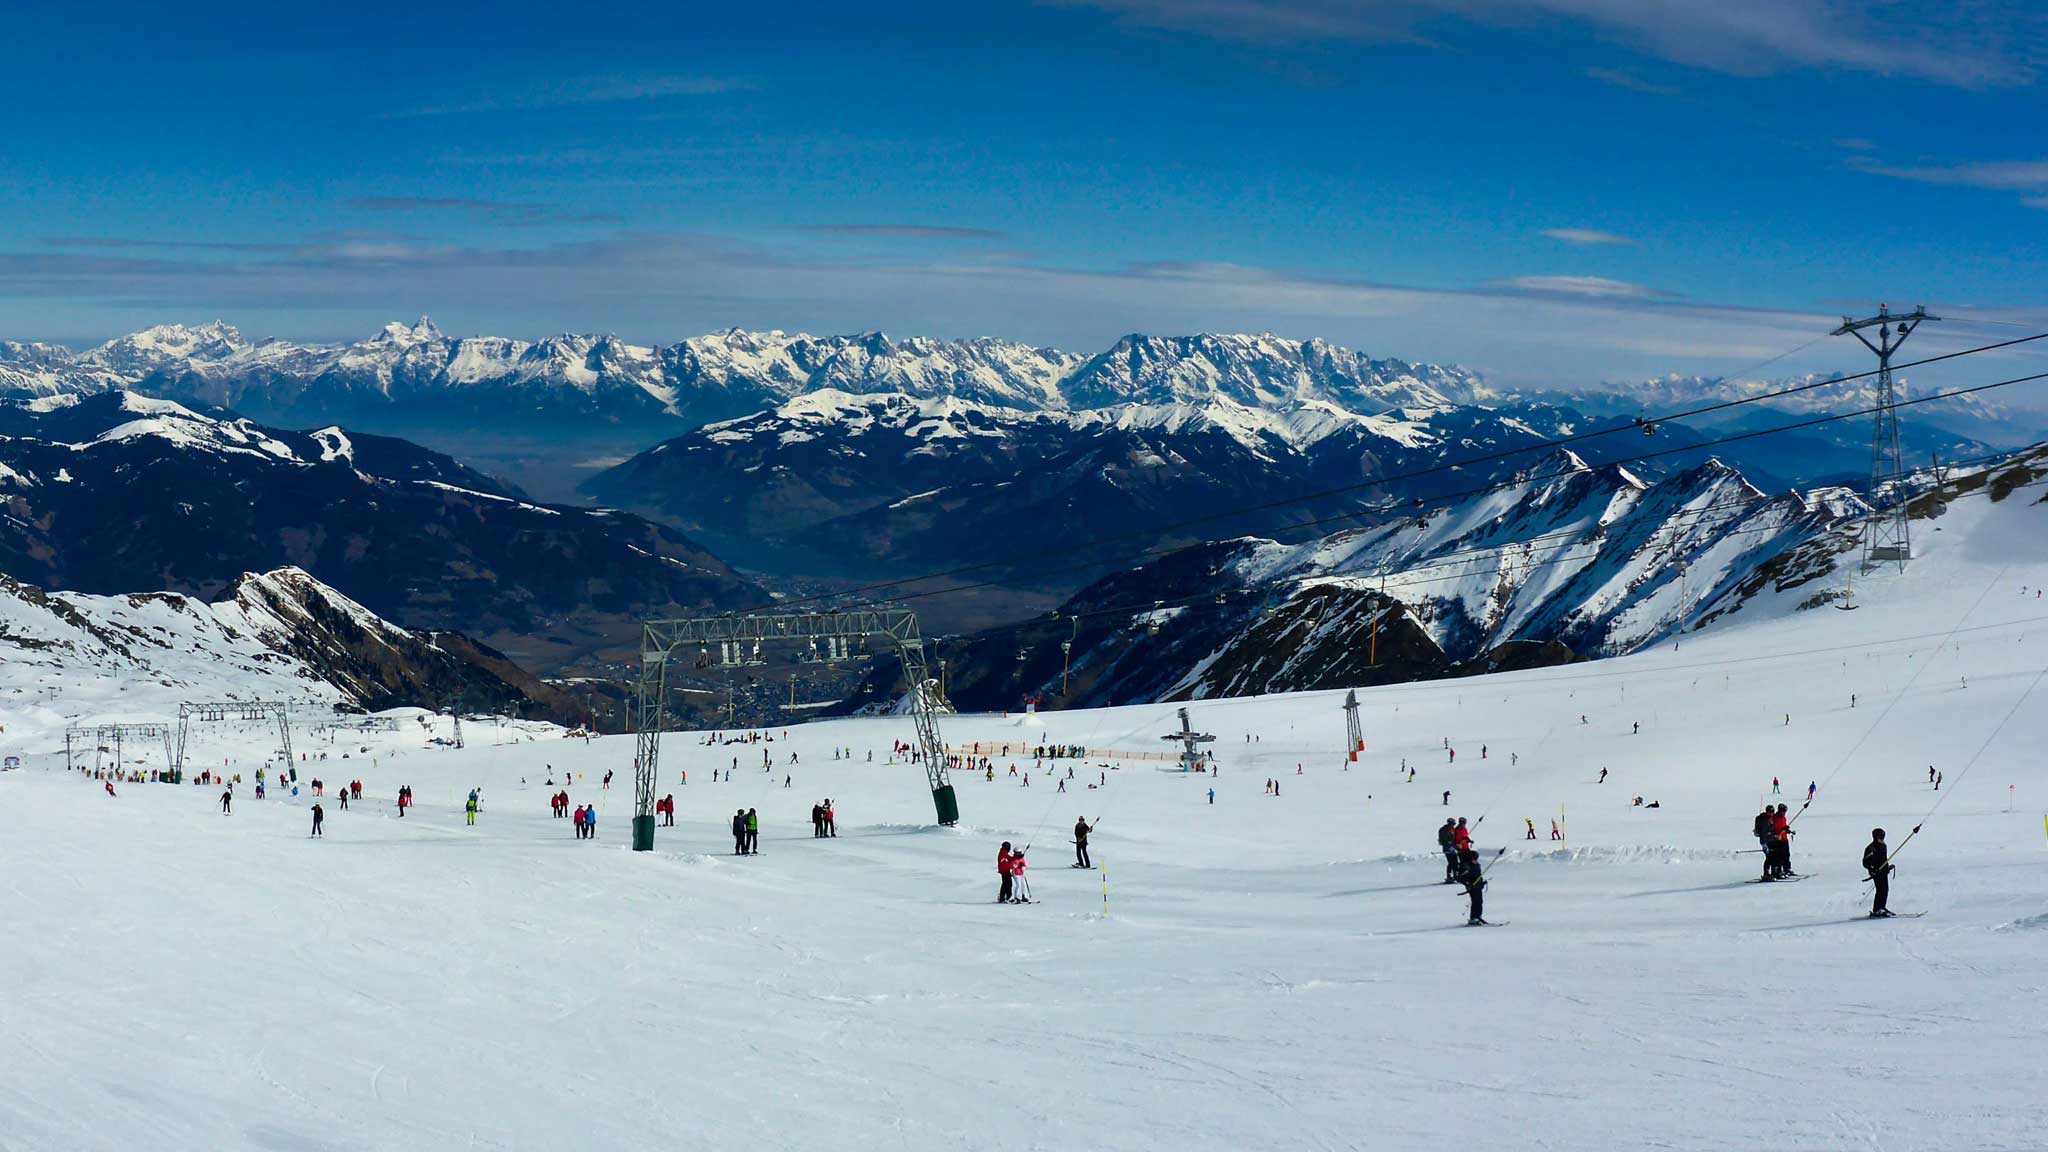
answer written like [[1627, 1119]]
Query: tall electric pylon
[[1889, 537]]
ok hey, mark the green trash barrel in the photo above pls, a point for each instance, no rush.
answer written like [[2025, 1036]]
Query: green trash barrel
[[643, 833], [947, 803]]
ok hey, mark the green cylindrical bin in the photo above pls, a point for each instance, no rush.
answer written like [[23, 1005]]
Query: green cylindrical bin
[[643, 833], [947, 804]]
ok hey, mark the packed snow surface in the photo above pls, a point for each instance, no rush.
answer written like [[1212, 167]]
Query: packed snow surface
[[1270, 971]]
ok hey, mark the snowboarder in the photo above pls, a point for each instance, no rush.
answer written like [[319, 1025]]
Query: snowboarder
[[1081, 830], [318, 818], [1003, 870], [1877, 862], [1473, 877]]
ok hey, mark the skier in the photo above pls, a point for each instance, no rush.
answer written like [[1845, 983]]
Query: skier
[[1447, 798], [343, 793], [1411, 775], [739, 831], [1937, 781], [1532, 828], [1212, 796], [1081, 830], [579, 821], [110, 787], [1003, 870], [1473, 877], [1761, 827], [753, 833], [1774, 785], [1636, 729], [1555, 832], [1930, 773], [469, 810], [590, 822], [785, 781], [1877, 862], [1811, 788], [1603, 775], [817, 821], [668, 810], [1017, 870], [1461, 836], [831, 819], [318, 817], [227, 800], [607, 779], [1781, 837]]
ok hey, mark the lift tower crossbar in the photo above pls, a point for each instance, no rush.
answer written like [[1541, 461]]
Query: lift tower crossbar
[[661, 639], [1889, 536]]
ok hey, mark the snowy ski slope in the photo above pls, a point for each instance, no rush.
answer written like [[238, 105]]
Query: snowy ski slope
[[1272, 972]]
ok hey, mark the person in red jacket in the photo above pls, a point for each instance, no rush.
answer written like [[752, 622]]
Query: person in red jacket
[[1461, 836], [1003, 869]]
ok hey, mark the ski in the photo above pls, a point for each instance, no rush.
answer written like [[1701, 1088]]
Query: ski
[[1792, 879], [1489, 924], [1898, 916]]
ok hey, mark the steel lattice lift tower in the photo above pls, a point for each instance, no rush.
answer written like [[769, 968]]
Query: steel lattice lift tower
[[1889, 536], [660, 639]]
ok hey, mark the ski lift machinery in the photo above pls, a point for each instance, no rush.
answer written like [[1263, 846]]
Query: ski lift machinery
[[662, 640]]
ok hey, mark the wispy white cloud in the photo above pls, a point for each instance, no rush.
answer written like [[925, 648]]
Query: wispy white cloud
[[1586, 236], [499, 211], [1631, 81], [1986, 43], [575, 91], [907, 231], [1996, 174], [1582, 286]]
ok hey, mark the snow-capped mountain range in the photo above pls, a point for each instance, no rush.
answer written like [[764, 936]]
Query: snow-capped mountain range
[[1566, 562], [109, 493], [414, 374], [278, 635]]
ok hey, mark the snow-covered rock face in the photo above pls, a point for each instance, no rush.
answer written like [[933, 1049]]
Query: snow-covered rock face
[[1561, 561], [277, 635]]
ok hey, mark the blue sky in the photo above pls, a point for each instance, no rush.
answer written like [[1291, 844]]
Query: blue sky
[[1549, 190]]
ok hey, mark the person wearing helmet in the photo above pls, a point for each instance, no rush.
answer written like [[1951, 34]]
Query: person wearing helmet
[[1877, 862]]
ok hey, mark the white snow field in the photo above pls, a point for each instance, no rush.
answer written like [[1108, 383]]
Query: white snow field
[[1272, 972]]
